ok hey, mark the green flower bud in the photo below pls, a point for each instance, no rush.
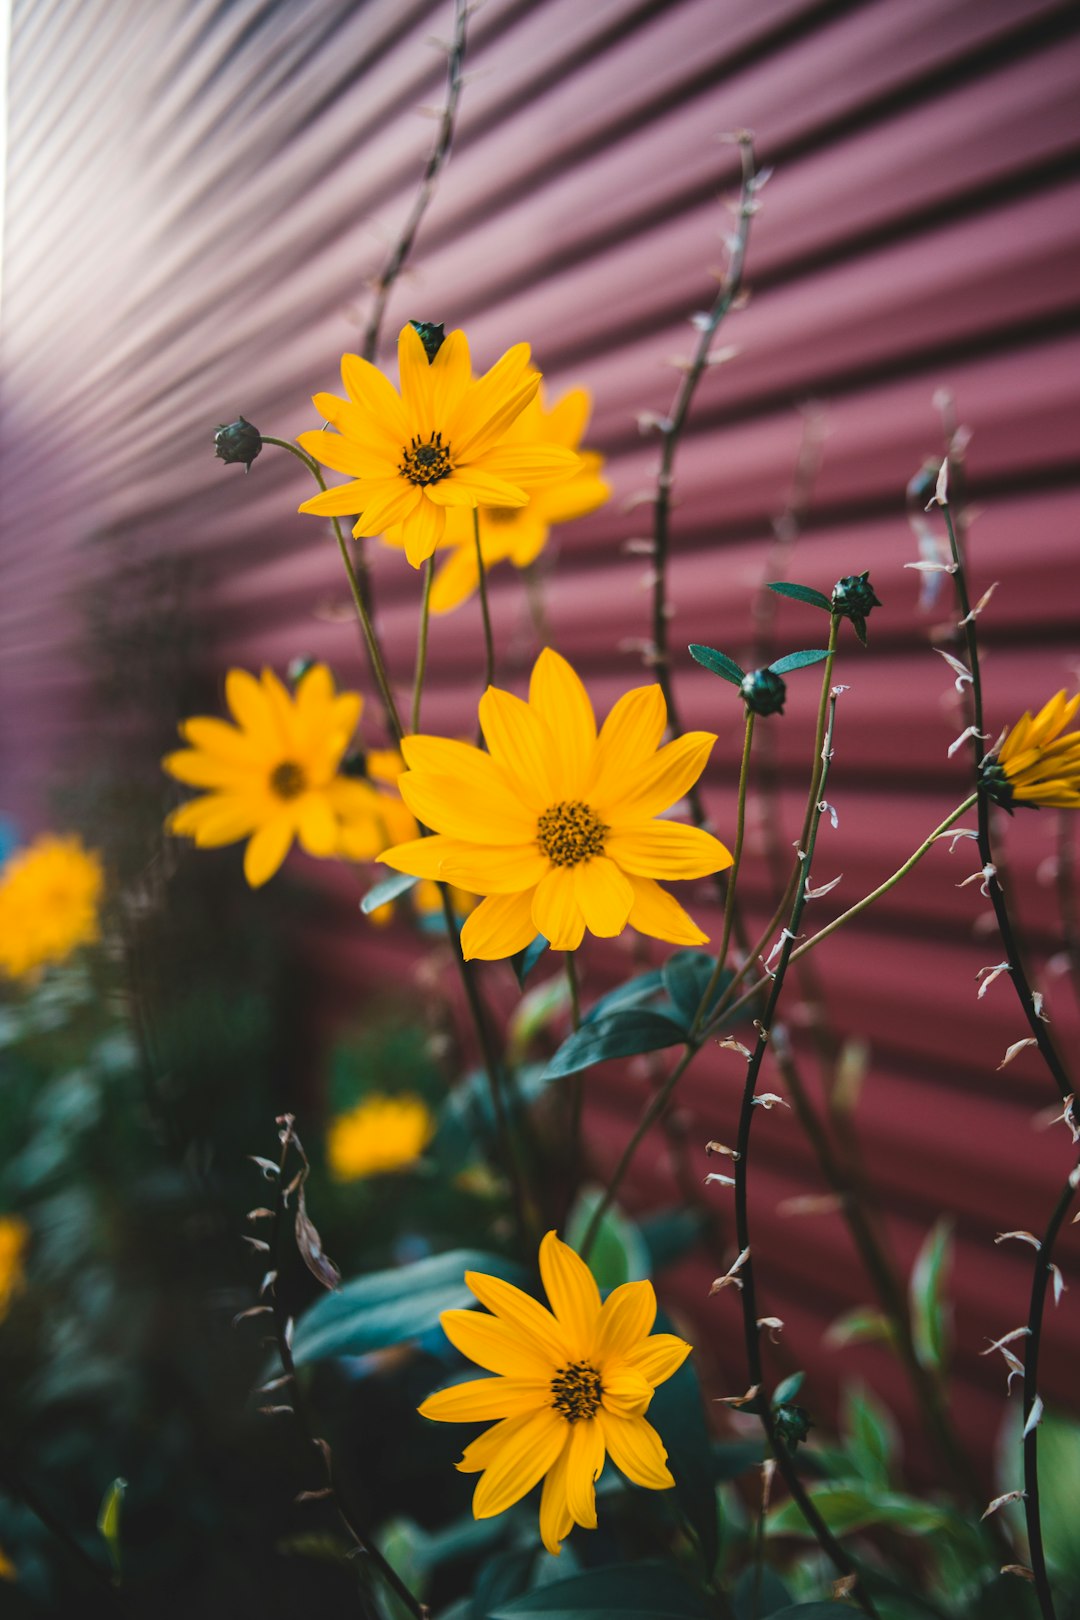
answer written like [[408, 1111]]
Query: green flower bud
[[763, 691], [792, 1424], [994, 782], [853, 597], [431, 335], [238, 441]]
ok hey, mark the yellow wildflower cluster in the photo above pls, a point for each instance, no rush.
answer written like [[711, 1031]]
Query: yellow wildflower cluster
[[14, 1235], [381, 1134], [50, 897]]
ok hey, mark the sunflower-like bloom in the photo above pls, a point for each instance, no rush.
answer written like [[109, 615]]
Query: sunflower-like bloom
[[379, 1135], [571, 1388], [556, 825], [14, 1234], [50, 896], [273, 775], [442, 442], [1036, 765], [518, 534]]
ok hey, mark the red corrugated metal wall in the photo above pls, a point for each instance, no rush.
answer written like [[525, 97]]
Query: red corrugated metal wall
[[197, 194]]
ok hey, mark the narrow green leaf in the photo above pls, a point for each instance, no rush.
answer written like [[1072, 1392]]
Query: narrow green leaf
[[108, 1523], [801, 593], [873, 1438], [719, 663], [788, 1388], [799, 660], [851, 1505], [391, 888], [622, 1034], [524, 961], [619, 1253], [930, 1314], [859, 1326], [539, 1007], [648, 1591], [631, 994], [390, 1307]]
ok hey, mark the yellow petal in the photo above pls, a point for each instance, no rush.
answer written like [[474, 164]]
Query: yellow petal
[[445, 756], [522, 743], [626, 1317], [266, 850], [499, 927], [527, 1447], [340, 501], [658, 914], [666, 849], [484, 1398], [450, 805], [507, 869], [386, 501], [251, 711], [522, 1312], [360, 424], [558, 696], [628, 738], [603, 896], [528, 463], [626, 1392], [197, 769], [346, 455], [455, 581], [498, 1346], [422, 530], [316, 825], [583, 1468], [420, 858], [479, 439], [660, 782], [450, 375], [473, 486], [572, 1293], [658, 1356], [216, 819], [556, 1520], [416, 390], [370, 388], [636, 1450], [219, 738], [556, 912]]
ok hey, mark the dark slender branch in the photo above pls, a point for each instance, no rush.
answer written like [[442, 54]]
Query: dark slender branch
[[1065, 885], [1039, 1280], [283, 1337], [440, 153]]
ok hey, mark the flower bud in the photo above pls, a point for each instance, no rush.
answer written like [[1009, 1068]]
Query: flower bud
[[431, 335], [792, 1424], [298, 668], [853, 597], [994, 782], [763, 691], [238, 441]]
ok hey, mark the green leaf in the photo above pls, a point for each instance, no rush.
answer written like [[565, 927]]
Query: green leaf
[[668, 1235], [759, 1593], [631, 994], [677, 1413], [621, 1034], [524, 961], [930, 1314], [619, 1253], [719, 663], [389, 1307], [799, 660], [648, 1591], [851, 1505], [801, 593], [873, 1438], [108, 1523], [542, 1005], [686, 977], [1059, 1473], [859, 1326], [788, 1388], [391, 888]]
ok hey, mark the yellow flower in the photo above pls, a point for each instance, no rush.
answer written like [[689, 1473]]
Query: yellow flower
[[380, 1134], [384, 767], [8, 1572], [442, 442], [14, 1234], [1036, 764], [518, 534], [274, 775], [50, 894], [556, 824], [571, 1388]]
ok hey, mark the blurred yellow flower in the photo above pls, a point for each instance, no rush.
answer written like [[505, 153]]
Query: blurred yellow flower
[[274, 775], [518, 534], [442, 442], [14, 1235], [556, 824], [50, 895], [381, 1134], [384, 767], [8, 1572], [572, 1386], [1035, 764]]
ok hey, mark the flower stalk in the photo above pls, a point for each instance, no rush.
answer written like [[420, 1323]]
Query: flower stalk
[[422, 645], [485, 612]]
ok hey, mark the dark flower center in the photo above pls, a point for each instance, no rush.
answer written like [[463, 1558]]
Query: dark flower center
[[570, 832], [288, 780], [576, 1391], [426, 461]]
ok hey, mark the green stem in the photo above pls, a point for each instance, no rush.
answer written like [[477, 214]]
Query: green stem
[[572, 982], [577, 1081], [1039, 1281], [421, 646], [374, 652], [489, 640], [732, 877], [853, 911]]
